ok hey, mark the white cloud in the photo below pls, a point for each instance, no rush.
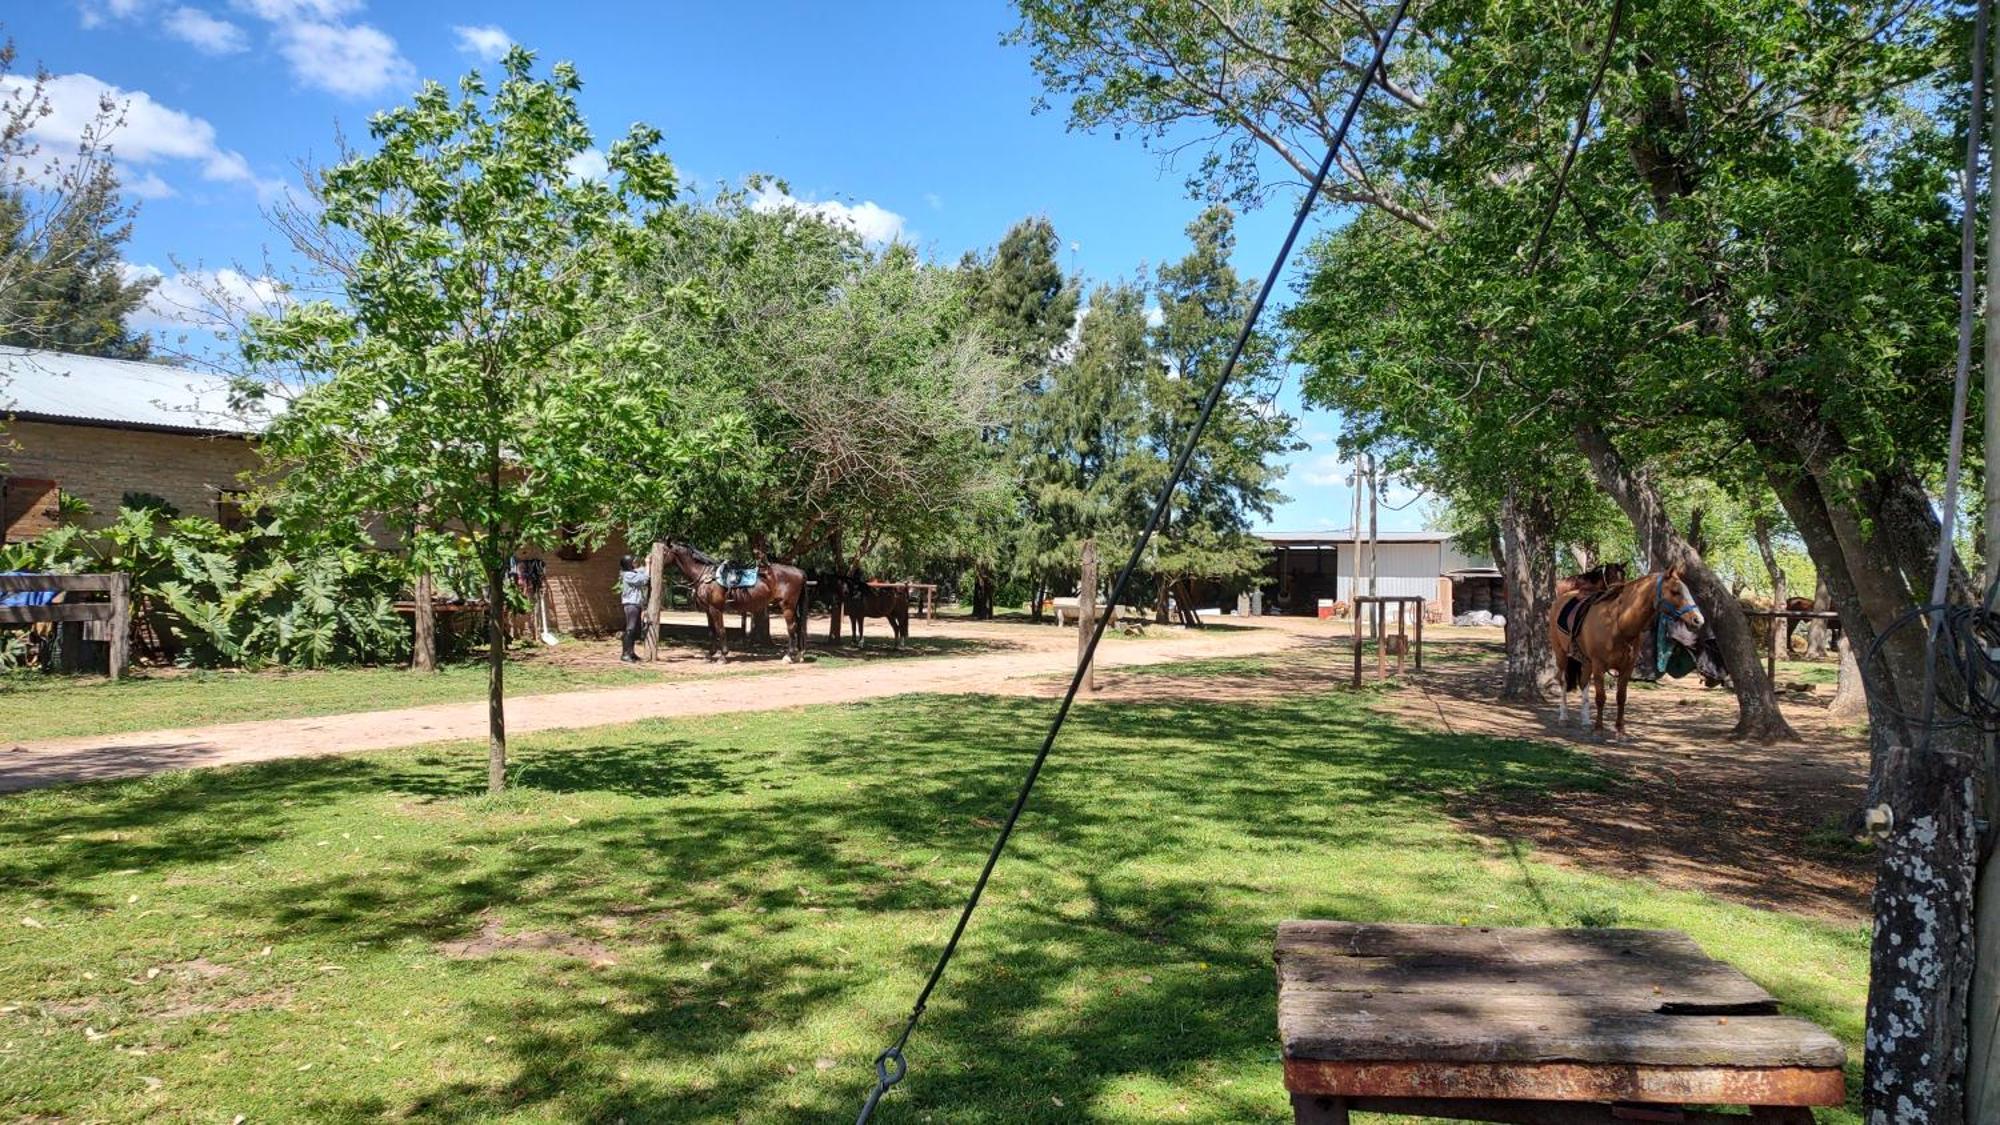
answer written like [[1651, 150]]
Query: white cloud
[[206, 33], [284, 11], [877, 225], [190, 298], [352, 60], [488, 41], [588, 165], [1155, 316], [148, 133], [1324, 470], [144, 185], [97, 13], [935, 201]]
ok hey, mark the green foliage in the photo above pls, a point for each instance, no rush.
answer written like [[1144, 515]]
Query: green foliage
[[239, 599], [458, 385]]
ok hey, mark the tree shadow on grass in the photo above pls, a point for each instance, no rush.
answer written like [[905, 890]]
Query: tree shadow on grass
[[761, 886]]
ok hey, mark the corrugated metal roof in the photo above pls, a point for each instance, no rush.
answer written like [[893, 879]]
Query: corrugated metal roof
[[1342, 535], [118, 392]]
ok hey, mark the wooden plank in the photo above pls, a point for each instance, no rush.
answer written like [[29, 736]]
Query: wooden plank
[[1748, 1086], [1561, 1113], [1700, 986], [67, 583], [1418, 1027], [60, 612]]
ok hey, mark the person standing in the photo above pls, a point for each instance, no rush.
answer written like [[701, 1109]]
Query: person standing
[[634, 586]]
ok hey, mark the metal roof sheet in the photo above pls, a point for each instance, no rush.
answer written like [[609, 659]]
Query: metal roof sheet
[[1343, 535], [119, 392]]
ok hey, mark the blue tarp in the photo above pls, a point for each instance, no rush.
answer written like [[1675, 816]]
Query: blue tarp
[[26, 597]]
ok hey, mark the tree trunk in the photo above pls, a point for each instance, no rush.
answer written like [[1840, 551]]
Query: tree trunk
[[1850, 698], [982, 593], [1817, 634], [1041, 593], [1920, 964], [1527, 527], [656, 588], [423, 649], [496, 662], [1757, 714], [1781, 628], [1581, 556], [1160, 599]]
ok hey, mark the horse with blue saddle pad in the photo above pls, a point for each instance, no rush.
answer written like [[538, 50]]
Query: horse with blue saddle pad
[[722, 587], [1598, 632]]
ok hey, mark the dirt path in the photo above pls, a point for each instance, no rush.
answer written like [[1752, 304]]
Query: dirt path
[[1692, 808], [1024, 655]]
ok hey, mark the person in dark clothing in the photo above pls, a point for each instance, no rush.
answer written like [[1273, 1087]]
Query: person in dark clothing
[[634, 586]]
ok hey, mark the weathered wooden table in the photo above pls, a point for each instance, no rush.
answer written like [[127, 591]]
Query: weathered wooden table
[[1537, 1025]]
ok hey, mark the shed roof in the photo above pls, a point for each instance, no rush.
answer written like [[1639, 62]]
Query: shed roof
[[1344, 535], [40, 385]]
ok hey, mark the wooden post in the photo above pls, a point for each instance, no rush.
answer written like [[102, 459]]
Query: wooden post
[[423, 648], [1420, 636], [1086, 613], [121, 624], [1357, 643], [1402, 635], [656, 582], [1771, 658], [1381, 631]]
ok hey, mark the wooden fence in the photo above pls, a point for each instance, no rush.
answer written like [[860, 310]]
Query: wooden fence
[[70, 616]]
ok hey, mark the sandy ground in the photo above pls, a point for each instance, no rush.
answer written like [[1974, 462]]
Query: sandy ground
[[1693, 808], [999, 657]]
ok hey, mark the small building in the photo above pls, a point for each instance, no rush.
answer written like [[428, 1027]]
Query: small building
[[100, 430], [1305, 567]]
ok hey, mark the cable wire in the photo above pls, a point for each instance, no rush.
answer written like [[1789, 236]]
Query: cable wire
[[890, 1065]]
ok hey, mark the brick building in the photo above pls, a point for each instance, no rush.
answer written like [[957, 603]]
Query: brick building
[[99, 429]]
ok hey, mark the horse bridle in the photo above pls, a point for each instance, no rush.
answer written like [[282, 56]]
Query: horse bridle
[[1662, 605]]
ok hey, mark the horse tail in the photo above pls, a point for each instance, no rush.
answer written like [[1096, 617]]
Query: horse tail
[[1572, 673]]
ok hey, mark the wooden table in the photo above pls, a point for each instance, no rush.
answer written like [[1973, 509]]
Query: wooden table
[[1537, 1025], [1381, 602]]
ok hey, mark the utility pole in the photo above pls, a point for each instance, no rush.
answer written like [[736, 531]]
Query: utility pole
[[1354, 533]]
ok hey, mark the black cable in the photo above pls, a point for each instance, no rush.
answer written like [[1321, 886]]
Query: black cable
[[890, 1065]]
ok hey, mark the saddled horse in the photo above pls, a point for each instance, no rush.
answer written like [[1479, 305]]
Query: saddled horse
[[1805, 605], [863, 599], [1592, 580], [1607, 638], [777, 585]]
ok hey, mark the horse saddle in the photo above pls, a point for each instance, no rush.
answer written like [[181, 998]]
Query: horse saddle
[[1570, 617], [736, 576]]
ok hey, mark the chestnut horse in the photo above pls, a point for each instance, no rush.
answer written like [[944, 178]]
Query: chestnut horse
[[863, 599], [777, 584], [1614, 621]]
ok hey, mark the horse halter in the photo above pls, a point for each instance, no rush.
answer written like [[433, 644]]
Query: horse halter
[[1662, 605]]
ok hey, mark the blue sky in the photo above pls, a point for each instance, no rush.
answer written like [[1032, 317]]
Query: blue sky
[[911, 115]]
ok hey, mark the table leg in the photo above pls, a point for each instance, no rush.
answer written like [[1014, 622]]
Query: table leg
[[1317, 1109]]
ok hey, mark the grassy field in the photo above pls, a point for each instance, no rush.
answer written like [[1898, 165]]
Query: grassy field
[[724, 920]]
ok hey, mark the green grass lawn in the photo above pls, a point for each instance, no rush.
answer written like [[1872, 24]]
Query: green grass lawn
[[723, 920], [35, 706]]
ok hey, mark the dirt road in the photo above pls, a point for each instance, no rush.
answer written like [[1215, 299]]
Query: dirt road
[[1026, 654]]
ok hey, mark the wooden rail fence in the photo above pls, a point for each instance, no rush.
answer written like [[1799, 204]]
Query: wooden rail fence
[[70, 616]]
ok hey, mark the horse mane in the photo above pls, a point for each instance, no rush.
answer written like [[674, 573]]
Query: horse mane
[[696, 553]]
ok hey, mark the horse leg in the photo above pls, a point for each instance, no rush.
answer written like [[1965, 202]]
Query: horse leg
[[1597, 688], [794, 628], [901, 624], [1624, 675]]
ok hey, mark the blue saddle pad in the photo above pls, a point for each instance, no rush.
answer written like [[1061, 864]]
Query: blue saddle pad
[[734, 576]]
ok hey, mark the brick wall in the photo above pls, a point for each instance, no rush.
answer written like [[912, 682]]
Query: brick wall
[[583, 593], [101, 464]]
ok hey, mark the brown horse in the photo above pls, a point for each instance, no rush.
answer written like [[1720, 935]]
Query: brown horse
[[777, 584], [1614, 621], [863, 599], [1592, 580]]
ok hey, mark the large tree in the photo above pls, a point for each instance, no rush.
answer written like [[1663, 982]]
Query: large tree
[[1712, 235], [460, 356], [1232, 479], [63, 229]]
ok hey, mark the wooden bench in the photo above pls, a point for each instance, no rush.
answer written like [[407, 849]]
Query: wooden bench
[[1547, 1026]]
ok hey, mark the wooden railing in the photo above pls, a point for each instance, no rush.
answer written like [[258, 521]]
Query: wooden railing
[[70, 616]]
